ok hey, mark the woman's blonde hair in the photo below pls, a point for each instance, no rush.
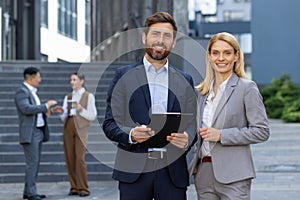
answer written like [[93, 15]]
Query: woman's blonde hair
[[238, 68]]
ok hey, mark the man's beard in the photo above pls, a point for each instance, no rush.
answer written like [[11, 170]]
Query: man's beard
[[157, 55]]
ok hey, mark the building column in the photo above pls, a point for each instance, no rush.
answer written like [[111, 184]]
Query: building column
[[28, 30]]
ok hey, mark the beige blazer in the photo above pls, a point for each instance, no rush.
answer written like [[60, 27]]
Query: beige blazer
[[241, 118]]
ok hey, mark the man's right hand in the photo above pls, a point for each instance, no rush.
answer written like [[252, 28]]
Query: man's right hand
[[51, 103], [141, 133]]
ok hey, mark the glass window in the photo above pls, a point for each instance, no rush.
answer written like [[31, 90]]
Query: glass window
[[220, 1], [87, 21], [67, 18], [233, 15], [44, 13]]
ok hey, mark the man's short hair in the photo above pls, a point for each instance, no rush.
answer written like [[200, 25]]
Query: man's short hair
[[30, 71], [160, 17]]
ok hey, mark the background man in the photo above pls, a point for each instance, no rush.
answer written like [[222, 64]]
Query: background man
[[33, 128]]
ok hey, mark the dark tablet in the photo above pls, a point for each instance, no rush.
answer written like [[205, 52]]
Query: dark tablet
[[163, 125]]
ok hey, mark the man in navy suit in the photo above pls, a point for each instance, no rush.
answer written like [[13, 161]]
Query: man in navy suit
[[138, 90]]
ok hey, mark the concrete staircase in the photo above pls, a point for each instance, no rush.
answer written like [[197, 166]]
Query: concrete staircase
[[55, 84]]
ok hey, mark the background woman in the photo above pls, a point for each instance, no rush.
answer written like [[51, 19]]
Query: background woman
[[78, 111]]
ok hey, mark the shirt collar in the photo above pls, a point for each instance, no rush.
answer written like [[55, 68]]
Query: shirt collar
[[30, 87], [148, 65], [80, 92], [221, 86]]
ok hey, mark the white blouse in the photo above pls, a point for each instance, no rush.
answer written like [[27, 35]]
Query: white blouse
[[211, 104], [89, 113]]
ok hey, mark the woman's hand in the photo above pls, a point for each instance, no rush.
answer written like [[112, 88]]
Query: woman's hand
[[210, 134], [58, 109]]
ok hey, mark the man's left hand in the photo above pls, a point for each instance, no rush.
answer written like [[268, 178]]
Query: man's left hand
[[179, 140]]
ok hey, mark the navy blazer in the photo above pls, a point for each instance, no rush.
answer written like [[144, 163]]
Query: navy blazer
[[128, 103]]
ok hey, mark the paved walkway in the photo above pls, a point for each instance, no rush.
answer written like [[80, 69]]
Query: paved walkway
[[277, 163]]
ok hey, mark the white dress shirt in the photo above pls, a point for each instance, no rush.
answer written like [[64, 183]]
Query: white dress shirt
[[40, 120], [211, 104], [88, 113]]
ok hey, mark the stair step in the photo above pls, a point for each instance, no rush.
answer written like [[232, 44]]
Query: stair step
[[50, 167], [14, 137], [58, 156], [59, 95], [9, 104], [55, 146], [14, 128], [53, 177]]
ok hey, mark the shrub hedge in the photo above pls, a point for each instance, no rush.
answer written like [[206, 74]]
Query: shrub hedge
[[282, 99]]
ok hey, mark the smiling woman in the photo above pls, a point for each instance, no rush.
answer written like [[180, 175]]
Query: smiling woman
[[227, 42], [231, 117], [223, 57]]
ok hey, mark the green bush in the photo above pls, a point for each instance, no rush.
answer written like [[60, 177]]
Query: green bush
[[292, 113], [282, 99], [274, 107]]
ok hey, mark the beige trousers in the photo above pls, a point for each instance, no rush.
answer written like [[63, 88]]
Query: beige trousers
[[208, 188], [75, 147]]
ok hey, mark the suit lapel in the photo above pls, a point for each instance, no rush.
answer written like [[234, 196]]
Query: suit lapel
[[142, 81], [32, 99], [171, 95], [201, 102], [232, 82]]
